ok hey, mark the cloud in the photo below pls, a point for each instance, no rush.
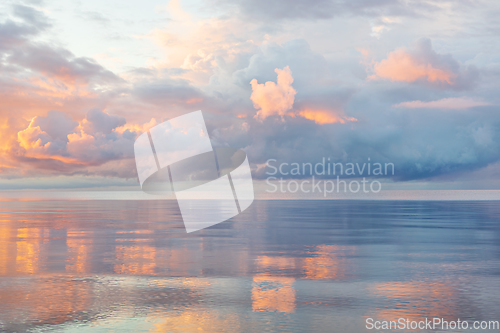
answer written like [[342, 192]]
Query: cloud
[[318, 9], [15, 33], [33, 66], [402, 66], [60, 64], [94, 141], [163, 91], [422, 64], [278, 99], [47, 136], [37, 75], [56, 124], [456, 103], [274, 98], [383, 24], [208, 63], [198, 48], [325, 116], [98, 121], [423, 145]]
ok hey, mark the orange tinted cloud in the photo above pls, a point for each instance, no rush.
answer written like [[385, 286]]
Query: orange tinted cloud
[[325, 117], [139, 128], [95, 140], [405, 67], [274, 98], [278, 99], [32, 137], [55, 88], [46, 137], [422, 64]]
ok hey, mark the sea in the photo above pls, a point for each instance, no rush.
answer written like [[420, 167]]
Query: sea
[[85, 265]]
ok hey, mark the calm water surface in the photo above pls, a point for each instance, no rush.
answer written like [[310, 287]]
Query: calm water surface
[[281, 266]]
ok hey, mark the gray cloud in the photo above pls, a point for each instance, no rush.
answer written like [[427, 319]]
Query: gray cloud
[[272, 11], [21, 53], [14, 33], [166, 91], [56, 124], [421, 146], [101, 122], [55, 141], [61, 64]]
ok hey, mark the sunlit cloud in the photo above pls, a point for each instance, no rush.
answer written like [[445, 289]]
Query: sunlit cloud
[[325, 117], [402, 66], [274, 98], [205, 60], [423, 64], [95, 140], [277, 99]]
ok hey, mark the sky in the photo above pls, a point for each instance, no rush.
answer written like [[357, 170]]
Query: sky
[[413, 83]]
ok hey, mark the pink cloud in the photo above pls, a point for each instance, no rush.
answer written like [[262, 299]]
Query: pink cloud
[[457, 103], [424, 65], [402, 66]]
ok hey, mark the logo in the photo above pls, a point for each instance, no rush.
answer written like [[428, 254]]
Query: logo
[[210, 185]]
